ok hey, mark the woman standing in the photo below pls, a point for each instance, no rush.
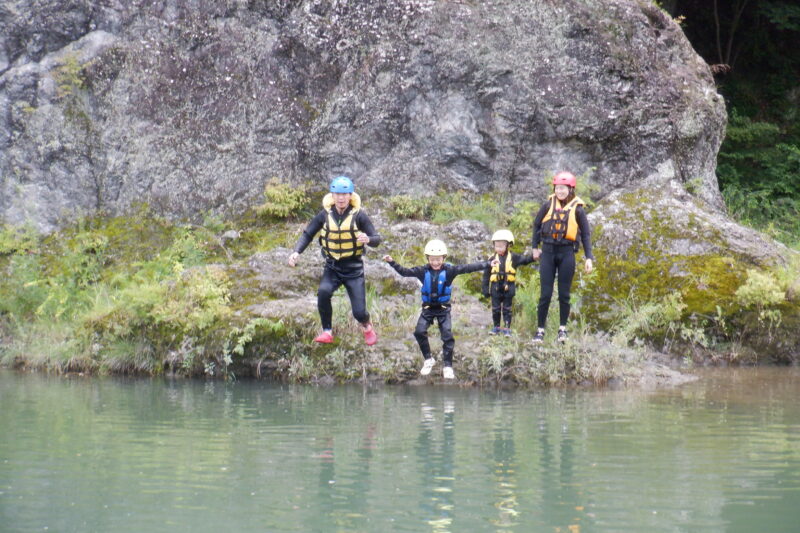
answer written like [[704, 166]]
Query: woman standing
[[559, 226]]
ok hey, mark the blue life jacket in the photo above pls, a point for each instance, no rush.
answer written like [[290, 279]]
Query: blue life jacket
[[440, 294]]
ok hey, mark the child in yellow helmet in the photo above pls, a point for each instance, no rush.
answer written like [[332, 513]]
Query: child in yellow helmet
[[436, 278], [499, 282]]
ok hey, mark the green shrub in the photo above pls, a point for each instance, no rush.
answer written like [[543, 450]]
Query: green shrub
[[239, 338], [777, 217], [526, 300], [521, 222], [84, 259], [17, 239], [492, 209], [70, 87], [283, 200], [405, 206], [105, 292], [50, 345], [185, 249], [22, 289], [635, 322], [760, 290], [125, 312], [762, 293], [59, 284], [213, 222], [197, 300], [69, 77]]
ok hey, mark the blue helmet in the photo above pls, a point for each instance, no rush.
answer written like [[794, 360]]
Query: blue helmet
[[342, 184]]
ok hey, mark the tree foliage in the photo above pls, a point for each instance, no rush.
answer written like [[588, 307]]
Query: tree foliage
[[752, 47]]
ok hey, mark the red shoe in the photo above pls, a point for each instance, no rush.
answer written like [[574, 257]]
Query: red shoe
[[326, 337], [370, 337]]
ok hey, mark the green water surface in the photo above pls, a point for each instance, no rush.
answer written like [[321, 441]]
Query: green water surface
[[117, 455]]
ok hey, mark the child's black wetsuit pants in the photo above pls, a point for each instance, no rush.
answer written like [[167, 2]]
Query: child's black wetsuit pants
[[426, 318]]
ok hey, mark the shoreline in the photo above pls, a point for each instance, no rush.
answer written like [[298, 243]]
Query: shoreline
[[139, 295], [649, 373]]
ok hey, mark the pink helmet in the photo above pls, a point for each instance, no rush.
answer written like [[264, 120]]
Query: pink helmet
[[565, 178]]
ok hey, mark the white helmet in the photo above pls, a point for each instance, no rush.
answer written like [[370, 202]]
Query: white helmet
[[435, 247], [503, 235]]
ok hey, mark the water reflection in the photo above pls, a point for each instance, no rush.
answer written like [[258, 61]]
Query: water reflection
[[342, 496], [344, 451], [505, 475], [722, 454], [435, 449], [563, 502]]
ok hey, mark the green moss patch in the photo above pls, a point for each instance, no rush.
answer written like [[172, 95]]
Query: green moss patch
[[692, 300]]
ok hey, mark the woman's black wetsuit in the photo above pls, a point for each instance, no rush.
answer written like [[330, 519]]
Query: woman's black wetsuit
[[558, 258]]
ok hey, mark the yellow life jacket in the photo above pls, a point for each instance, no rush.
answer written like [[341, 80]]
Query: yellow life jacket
[[560, 224], [508, 275], [338, 241]]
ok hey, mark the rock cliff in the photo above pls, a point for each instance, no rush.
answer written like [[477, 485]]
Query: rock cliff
[[191, 106]]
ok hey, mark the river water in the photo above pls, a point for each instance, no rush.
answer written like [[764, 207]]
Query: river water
[[119, 455]]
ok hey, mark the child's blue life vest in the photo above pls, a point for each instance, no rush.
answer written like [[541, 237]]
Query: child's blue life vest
[[439, 294]]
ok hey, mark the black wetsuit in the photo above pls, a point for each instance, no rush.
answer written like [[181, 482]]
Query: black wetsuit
[[348, 271], [502, 292], [437, 312], [558, 257]]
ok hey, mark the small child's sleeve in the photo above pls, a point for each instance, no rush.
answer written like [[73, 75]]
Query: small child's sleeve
[[486, 289], [522, 259], [414, 272], [457, 270]]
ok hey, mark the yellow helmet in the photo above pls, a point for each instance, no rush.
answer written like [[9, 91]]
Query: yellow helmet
[[503, 235], [435, 247]]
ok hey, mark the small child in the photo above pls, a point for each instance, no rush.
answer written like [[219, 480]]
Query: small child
[[437, 278], [499, 281]]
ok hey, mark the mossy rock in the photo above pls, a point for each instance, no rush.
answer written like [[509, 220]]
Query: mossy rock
[[650, 245]]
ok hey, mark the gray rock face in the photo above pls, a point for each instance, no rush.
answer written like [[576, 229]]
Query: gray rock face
[[193, 105]]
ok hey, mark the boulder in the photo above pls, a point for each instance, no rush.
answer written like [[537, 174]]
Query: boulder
[[672, 222], [193, 106]]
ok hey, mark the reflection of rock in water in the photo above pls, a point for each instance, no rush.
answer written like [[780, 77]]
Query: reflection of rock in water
[[563, 498], [505, 475], [436, 461], [343, 493]]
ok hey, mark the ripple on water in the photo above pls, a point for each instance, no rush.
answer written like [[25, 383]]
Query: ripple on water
[[148, 455]]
